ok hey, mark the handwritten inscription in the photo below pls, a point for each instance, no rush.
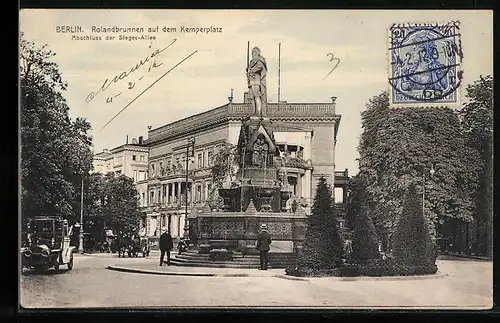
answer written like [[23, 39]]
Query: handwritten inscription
[[336, 63], [151, 85], [107, 83]]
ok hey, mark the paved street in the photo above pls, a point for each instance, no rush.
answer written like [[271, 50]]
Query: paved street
[[90, 284]]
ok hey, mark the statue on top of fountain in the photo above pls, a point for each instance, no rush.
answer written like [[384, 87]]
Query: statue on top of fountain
[[256, 76]]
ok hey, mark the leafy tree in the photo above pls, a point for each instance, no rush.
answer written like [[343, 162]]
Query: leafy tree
[[121, 209], [225, 165], [412, 242], [477, 124], [322, 247], [398, 146], [55, 150], [111, 202]]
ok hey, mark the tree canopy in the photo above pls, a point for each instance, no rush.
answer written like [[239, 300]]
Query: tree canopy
[[477, 125], [399, 146], [55, 150], [111, 202]]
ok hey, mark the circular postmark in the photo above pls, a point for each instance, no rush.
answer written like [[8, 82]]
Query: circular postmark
[[425, 63]]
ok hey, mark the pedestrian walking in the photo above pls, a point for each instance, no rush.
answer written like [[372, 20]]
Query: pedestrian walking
[[263, 245], [166, 245]]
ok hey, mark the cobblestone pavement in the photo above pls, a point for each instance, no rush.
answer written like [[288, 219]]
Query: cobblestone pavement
[[466, 284]]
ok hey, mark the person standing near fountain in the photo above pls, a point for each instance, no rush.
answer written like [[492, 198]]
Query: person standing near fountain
[[166, 245], [263, 245]]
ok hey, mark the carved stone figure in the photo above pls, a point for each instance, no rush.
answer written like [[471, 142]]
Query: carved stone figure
[[260, 152], [256, 75]]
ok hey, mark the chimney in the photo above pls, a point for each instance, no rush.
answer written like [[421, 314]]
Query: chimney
[[140, 140], [105, 150], [134, 141], [126, 140]]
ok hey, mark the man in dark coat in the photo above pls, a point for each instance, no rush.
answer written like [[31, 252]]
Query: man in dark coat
[[166, 245], [263, 242]]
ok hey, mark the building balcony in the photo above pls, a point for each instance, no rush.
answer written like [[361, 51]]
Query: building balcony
[[176, 173], [174, 205], [291, 162], [341, 178]]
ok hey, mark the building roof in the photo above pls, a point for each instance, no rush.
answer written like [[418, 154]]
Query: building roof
[[141, 147], [276, 112]]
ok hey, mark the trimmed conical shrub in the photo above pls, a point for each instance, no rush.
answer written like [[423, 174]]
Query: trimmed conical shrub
[[365, 240], [411, 240], [322, 247]]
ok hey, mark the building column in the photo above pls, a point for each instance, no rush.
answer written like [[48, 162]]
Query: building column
[[167, 193], [175, 220], [307, 188], [182, 223], [148, 225], [158, 225], [299, 185], [179, 189]]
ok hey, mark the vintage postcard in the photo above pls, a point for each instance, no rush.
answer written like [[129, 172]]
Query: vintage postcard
[[256, 159]]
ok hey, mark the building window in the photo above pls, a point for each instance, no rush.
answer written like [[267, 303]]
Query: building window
[[143, 199], [198, 193], [164, 195], [152, 169], [209, 190], [200, 160], [210, 157], [151, 197], [134, 157], [169, 164], [142, 158]]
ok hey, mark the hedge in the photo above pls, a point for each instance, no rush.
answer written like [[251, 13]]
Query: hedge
[[371, 268]]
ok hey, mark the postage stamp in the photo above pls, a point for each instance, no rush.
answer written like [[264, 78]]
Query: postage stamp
[[425, 63]]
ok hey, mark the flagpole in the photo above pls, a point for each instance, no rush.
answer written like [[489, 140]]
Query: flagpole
[[279, 71]]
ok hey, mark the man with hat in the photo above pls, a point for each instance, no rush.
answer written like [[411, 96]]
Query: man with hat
[[166, 245], [263, 242]]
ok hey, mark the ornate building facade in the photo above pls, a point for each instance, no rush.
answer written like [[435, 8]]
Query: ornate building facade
[[131, 160], [305, 134]]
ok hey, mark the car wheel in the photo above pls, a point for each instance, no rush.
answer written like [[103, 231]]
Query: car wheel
[[70, 263]]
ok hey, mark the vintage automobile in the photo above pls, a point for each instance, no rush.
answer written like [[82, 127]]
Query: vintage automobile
[[48, 244]]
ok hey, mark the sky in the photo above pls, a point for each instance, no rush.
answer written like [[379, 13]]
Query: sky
[[203, 81]]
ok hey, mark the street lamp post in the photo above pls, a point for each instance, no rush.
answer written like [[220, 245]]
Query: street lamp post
[[431, 172], [190, 143], [80, 245]]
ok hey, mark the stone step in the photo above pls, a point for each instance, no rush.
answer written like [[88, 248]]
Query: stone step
[[242, 262], [223, 265], [206, 257], [275, 256], [219, 262]]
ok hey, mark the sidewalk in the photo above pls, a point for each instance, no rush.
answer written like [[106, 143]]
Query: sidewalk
[[152, 253], [150, 266]]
